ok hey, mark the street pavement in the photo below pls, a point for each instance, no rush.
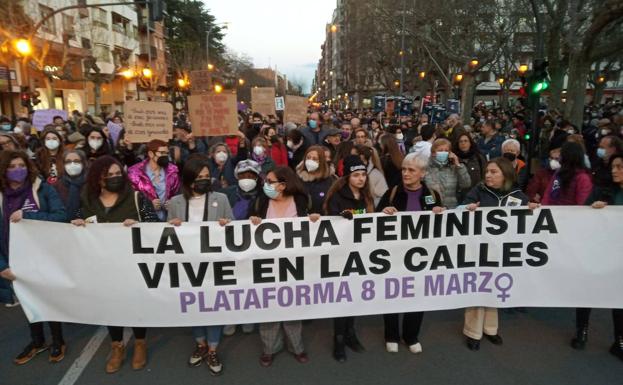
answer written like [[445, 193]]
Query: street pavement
[[536, 351]]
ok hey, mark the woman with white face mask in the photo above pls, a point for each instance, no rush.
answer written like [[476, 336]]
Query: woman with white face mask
[[222, 164], [71, 180], [261, 154], [96, 144], [317, 176], [49, 156]]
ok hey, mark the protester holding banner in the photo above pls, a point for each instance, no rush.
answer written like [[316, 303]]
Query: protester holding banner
[[317, 176], [156, 177], [96, 145], [378, 184], [571, 185], [284, 197], [446, 174], [25, 196], [499, 189], [196, 204], [49, 158], [348, 196], [72, 178], [410, 195], [610, 194], [109, 198]]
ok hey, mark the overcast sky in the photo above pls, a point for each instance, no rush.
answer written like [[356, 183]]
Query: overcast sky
[[286, 34]]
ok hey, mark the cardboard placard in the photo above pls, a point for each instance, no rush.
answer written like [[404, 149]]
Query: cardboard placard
[[200, 81], [145, 121], [263, 100], [213, 114], [114, 129], [295, 110], [41, 118]]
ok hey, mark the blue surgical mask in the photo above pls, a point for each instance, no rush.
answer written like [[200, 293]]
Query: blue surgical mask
[[442, 157], [312, 123], [601, 153], [270, 191], [6, 127]]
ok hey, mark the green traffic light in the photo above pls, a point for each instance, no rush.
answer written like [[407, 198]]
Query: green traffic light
[[540, 86], [526, 136]]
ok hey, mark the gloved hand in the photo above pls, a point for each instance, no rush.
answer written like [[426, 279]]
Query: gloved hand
[[347, 214]]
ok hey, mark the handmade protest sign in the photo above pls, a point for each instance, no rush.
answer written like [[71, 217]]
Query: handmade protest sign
[[200, 81], [213, 114], [155, 274], [145, 121], [114, 129], [263, 100], [295, 109], [41, 118]]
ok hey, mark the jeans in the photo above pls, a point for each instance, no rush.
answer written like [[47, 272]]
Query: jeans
[[211, 333]]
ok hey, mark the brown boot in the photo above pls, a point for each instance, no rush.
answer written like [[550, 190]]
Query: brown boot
[[139, 359], [117, 355]]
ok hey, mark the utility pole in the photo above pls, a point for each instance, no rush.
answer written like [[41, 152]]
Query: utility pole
[[538, 58]]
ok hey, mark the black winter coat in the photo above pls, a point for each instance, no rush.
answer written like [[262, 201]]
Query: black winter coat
[[489, 197]]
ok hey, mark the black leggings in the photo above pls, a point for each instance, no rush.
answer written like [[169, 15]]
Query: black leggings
[[116, 333], [36, 333], [411, 324], [582, 316]]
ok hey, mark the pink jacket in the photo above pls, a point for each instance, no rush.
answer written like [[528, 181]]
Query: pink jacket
[[141, 182], [576, 195]]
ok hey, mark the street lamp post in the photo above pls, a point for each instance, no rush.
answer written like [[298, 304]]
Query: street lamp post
[[402, 46], [224, 24]]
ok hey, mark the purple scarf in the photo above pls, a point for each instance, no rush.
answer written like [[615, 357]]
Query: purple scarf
[[13, 201]]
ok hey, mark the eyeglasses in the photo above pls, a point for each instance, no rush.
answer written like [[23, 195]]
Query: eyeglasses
[[268, 181]]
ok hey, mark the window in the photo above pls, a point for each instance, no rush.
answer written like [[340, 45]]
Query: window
[[102, 53], [100, 17], [50, 25], [68, 26], [121, 24]]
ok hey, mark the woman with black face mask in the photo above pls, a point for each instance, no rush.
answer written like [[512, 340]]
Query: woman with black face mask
[[196, 204], [107, 197], [156, 177]]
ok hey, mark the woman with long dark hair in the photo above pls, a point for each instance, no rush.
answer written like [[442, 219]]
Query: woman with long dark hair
[[49, 158], [96, 144], [349, 196], [610, 195], [25, 196], [391, 159], [109, 198], [572, 183], [467, 151], [284, 197], [72, 178], [198, 203]]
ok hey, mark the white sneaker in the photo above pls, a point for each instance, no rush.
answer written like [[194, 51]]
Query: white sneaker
[[15, 303], [415, 348], [229, 330], [391, 347]]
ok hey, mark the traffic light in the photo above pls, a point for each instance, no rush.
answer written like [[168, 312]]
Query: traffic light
[[539, 81]]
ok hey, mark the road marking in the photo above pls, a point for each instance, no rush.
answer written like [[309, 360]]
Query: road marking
[[88, 352]]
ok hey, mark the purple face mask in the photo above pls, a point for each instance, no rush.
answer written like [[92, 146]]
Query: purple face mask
[[17, 174]]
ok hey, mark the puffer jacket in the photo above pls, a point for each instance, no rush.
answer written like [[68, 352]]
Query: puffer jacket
[[447, 180], [140, 180], [488, 197]]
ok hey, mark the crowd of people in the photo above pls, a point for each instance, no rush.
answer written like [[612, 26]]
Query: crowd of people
[[340, 162]]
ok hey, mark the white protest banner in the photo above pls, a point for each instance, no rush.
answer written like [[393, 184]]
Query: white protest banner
[[41, 118], [263, 100], [295, 109], [279, 103], [145, 121], [156, 274]]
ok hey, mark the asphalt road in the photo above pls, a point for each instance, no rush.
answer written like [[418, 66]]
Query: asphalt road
[[536, 351]]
